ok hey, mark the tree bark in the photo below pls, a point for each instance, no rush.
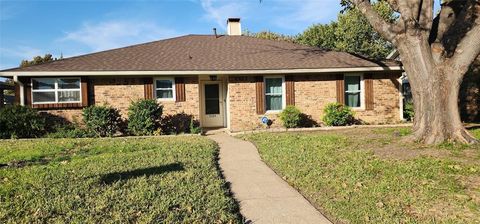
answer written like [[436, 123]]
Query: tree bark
[[436, 54], [435, 92]]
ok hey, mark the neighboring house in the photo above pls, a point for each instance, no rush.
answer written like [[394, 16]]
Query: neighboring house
[[227, 81], [469, 102]]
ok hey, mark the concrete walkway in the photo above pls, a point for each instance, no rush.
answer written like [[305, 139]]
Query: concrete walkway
[[264, 197]]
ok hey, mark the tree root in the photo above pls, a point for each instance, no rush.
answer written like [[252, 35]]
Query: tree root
[[434, 138]]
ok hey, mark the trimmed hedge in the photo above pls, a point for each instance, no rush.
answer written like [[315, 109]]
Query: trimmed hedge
[[291, 117], [144, 117], [338, 115], [20, 122], [102, 121]]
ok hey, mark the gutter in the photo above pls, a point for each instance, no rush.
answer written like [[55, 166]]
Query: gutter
[[226, 72]]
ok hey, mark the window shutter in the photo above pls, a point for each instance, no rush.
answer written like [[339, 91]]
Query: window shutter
[[17, 93], [84, 91], [368, 81], [290, 90], [180, 89], [260, 95], [340, 89], [148, 88]]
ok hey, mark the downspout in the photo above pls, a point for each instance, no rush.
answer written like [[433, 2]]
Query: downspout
[[22, 91], [400, 90]]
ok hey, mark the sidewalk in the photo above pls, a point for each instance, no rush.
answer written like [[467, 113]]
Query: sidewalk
[[264, 197]]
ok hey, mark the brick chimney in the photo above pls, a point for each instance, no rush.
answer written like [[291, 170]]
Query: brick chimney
[[234, 28]]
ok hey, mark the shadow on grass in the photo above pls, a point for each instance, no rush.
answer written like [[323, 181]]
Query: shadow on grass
[[24, 163], [121, 176]]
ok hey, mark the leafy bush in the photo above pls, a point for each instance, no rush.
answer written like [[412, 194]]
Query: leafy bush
[[291, 117], [177, 123], [338, 115], [101, 120], [144, 117], [408, 112], [20, 122], [195, 127]]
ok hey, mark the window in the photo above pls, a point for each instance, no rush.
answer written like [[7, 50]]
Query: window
[[274, 99], [56, 90], [165, 89], [353, 90]]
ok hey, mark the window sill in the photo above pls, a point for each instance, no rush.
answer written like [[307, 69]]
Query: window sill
[[358, 108], [57, 105], [273, 111], [166, 100]]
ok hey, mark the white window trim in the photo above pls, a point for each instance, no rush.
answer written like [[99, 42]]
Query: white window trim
[[55, 90], [362, 90], [174, 96], [284, 100]]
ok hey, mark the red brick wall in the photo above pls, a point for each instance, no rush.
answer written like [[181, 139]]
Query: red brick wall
[[120, 92], [312, 93]]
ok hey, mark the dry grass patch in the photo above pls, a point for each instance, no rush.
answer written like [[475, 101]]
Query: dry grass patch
[[371, 175]]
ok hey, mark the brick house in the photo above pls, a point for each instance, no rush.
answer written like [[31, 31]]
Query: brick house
[[229, 81]]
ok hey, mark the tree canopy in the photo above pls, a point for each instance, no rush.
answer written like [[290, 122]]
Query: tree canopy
[[37, 60], [269, 35], [351, 32]]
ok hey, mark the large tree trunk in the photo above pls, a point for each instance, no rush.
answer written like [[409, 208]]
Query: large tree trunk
[[435, 91]]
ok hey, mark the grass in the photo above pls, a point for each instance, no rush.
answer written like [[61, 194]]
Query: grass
[[123, 180], [370, 175]]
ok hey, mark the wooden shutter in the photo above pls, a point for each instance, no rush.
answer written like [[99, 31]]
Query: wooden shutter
[[180, 89], [340, 89], [17, 93], [27, 85], [368, 82], [148, 88], [84, 91], [290, 90], [260, 95]]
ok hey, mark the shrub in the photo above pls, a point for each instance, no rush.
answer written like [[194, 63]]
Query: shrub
[[195, 127], [101, 120], [338, 115], [144, 117], [408, 112], [291, 117], [20, 122], [176, 124]]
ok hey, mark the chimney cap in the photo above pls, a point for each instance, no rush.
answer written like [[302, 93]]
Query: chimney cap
[[233, 20]]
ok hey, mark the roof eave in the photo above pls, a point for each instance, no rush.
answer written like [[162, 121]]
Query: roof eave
[[199, 72]]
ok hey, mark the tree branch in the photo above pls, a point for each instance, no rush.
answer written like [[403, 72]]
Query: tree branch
[[462, 41], [425, 14], [468, 49], [387, 30], [442, 23]]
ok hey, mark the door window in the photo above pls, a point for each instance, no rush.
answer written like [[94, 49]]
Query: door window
[[212, 99]]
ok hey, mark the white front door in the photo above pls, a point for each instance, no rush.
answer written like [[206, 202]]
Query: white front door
[[212, 104]]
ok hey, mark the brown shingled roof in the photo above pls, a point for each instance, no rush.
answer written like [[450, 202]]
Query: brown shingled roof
[[208, 53]]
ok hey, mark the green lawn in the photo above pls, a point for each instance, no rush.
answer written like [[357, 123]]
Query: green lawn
[[121, 180], [370, 175]]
